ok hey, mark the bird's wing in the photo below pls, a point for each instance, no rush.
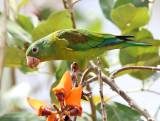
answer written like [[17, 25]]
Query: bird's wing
[[84, 39]]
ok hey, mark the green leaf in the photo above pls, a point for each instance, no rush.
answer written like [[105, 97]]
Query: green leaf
[[25, 23], [154, 42], [52, 95], [55, 22], [106, 6], [137, 3], [120, 112], [144, 34], [14, 57], [17, 35], [134, 55], [140, 63], [140, 56], [25, 69], [62, 68], [128, 17], [21, 116], [95, 25], [45, 12]]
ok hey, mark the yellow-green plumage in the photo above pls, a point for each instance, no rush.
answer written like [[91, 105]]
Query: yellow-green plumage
[[77, 45]]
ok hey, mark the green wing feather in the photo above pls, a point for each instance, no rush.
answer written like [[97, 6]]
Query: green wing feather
[[84, 39]]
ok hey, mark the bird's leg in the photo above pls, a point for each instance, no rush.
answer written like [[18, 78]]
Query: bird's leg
[[76, 71]]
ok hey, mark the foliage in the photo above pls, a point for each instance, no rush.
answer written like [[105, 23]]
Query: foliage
[[55, 22], [120, 112], [130, 16], [21, 116]]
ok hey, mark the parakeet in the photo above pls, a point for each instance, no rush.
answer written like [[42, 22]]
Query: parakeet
[[75, 44]]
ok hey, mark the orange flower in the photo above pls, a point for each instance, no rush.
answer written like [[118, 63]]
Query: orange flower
[[74, 98], [38, 105], [42, 109], [65, 85]]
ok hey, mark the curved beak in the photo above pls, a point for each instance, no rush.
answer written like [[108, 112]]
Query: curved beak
[[32, 61]]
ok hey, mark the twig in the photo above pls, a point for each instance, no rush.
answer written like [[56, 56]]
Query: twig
[[75, 1], [110, 81], [4, 39], [157, 93], [104, 114], [90, 80], [92, 105], [13, 76], [59, 112], [134, 67], [65, 4], [69, 5], [55, 107], [136, 90], [156, 114], [85, 74]]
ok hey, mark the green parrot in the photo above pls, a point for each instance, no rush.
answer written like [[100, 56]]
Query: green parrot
[[75, 44]]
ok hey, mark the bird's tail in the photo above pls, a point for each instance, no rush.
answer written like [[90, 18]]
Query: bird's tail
[[129, 44]]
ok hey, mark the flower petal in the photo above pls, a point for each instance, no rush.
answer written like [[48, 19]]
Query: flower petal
[[51, 118], [37, 104], [65, 85], [74, 98]]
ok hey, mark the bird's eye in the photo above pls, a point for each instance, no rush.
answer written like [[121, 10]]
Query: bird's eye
[[35, 50]]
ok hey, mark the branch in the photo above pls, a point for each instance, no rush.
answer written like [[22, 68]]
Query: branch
[[69, 5], [85, 74], [104, 114], [134, 67], [65, 4], [90, 80], [4, 39], [110, 81], [92, 105], [156, 114], [157, 93], [136, 90], [75, 1]]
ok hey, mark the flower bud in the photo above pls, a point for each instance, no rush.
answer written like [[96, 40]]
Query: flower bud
[[74, 112]]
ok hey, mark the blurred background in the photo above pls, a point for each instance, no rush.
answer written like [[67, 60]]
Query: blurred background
[[19, 82]]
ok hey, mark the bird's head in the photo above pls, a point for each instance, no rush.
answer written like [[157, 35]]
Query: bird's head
[[39, 51]]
